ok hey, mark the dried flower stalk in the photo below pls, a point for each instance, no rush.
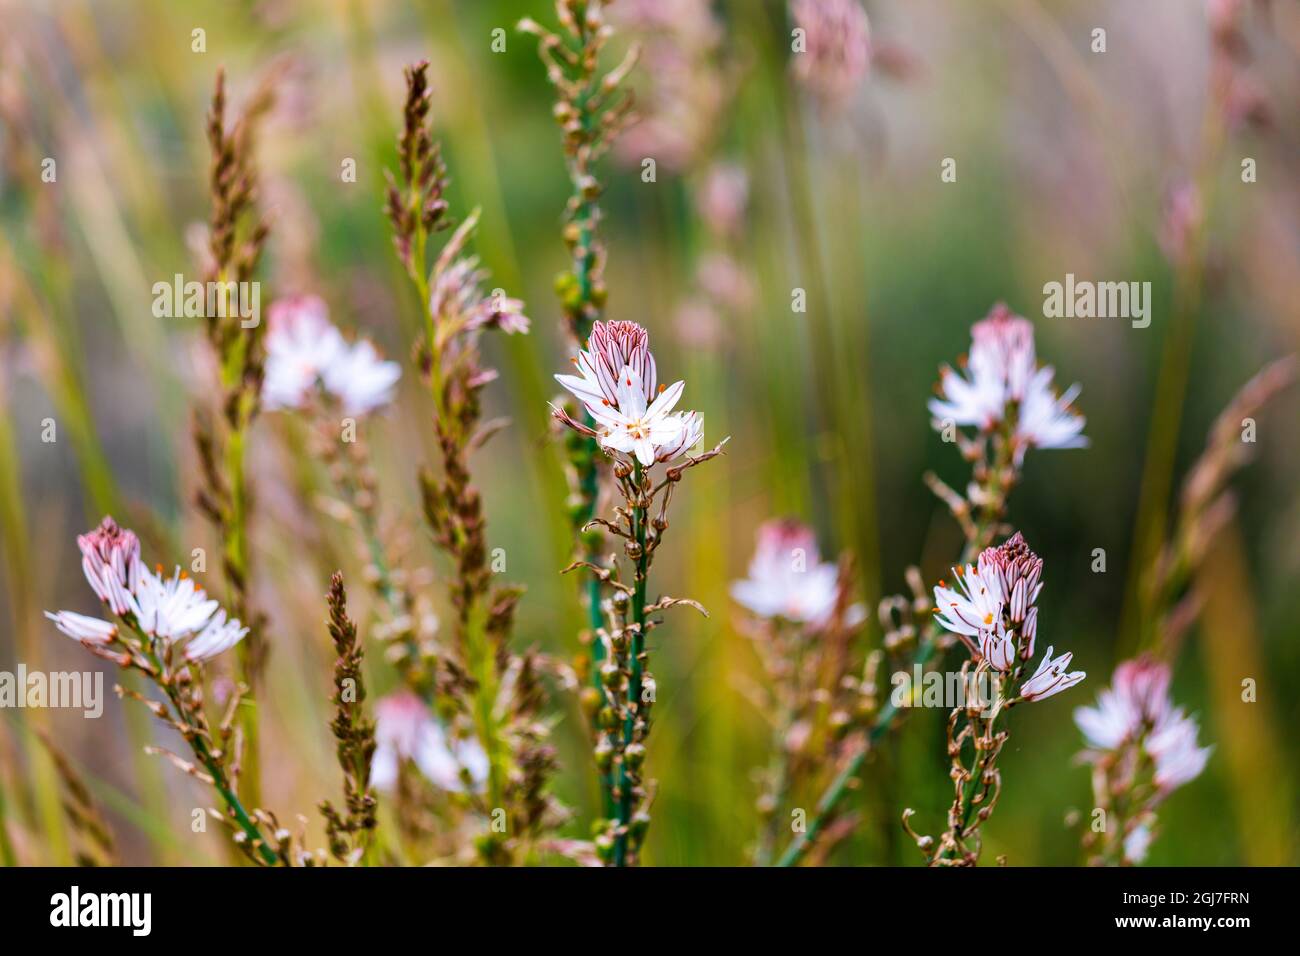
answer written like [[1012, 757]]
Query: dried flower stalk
[[352, 831], [480, 680], [96, 844], [1170, 606], [236, 237]]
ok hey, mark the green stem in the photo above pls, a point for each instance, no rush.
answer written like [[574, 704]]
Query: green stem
[[840, 785], [478, 651], [214, 769], [625, 796], [249, 650], [233, 803]]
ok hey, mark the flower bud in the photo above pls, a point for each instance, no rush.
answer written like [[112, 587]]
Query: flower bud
[[635, 756]]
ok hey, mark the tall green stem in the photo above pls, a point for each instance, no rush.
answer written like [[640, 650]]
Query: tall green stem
[[626, 797], [215, 770]]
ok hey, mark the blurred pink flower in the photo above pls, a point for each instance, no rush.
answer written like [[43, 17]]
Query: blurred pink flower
[[787, 577], [1004, 381], [698, 325], [305, 351], [723, 198], [1137, 711], [837, 50], [360, 379], [1180, 218], [405, 729], [723, 280], [1137, 843]]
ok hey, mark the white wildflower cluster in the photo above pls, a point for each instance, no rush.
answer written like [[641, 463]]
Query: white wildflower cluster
[[1141, 746], [305, 352], [992, 610], [170, 610], [634, 415], [788, 580], [1004, 387]]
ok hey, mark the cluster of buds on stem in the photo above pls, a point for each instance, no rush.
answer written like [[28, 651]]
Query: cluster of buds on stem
[[591, 108], [992, 610], [415, 205], [351, 830], [650, 445]]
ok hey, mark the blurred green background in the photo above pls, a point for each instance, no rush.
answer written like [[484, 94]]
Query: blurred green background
[[1064, 159]]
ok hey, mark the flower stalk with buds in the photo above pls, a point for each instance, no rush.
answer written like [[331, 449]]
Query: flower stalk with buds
[[166, 629], [803, 627], [351, 831], [1003, 370], [312, 369], [592, 109], [993, 612], [649, 442]]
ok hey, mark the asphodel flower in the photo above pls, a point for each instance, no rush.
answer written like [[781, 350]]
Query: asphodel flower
[[993, 610], [632, 415], [1137, 711], [1004, 383], [170, 610], [787, 577], [306, 352], [405, 730]]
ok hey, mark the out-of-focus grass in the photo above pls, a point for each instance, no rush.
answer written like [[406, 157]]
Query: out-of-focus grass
[[1062, 156]]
